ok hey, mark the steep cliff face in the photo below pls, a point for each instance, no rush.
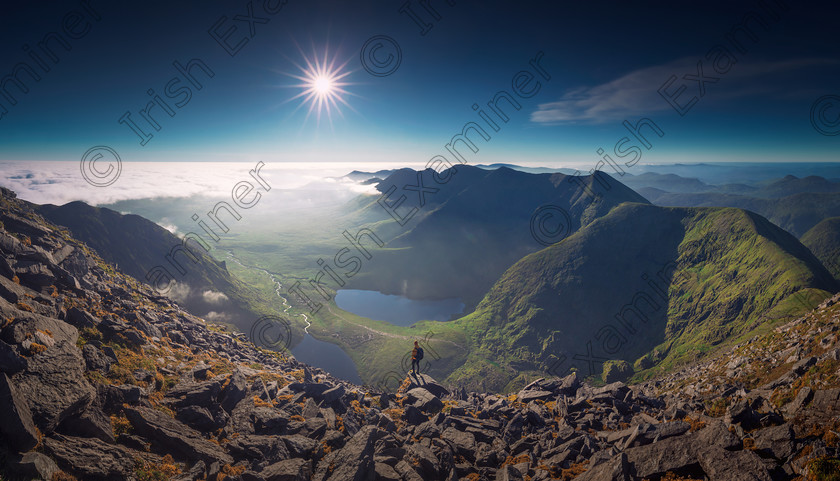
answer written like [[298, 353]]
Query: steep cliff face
[[102, 379]]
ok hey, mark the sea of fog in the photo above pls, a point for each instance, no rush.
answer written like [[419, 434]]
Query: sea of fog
[[46, 182]]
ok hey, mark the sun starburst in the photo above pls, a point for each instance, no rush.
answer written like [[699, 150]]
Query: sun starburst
[[323, 86]]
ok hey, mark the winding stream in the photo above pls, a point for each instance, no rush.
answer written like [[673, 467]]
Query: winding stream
[[277, 287], [325, 355]]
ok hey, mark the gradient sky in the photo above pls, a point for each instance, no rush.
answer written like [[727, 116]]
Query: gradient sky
[[606, 63]]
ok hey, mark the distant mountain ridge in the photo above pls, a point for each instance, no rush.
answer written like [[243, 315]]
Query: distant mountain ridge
[[772, 189], [795, 213]]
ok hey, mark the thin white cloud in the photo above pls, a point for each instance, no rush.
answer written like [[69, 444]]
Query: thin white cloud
[[214, 316], [636, 93], [172, 228], [178, 291], [214, 297]]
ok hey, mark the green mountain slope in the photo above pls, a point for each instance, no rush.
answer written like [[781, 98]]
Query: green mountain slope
[[645, 284], [824, 241]]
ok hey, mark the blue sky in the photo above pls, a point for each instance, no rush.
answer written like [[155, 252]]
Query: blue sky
[[605, 63]]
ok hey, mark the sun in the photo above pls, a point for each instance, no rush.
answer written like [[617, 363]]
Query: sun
[[323, 86]]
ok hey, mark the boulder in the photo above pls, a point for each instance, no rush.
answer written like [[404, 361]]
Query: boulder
[[743, 414], [722, 465], [47, 331], [424, 400], [616, 469], [407, 471], [268, 420], [353, 462], [197, 417], [423, 458], [112, 398], [826, 400], [426, 382], [195, 473], [15, 419], [10, 361], [462, 443], [532, 395], [508, 473], [413, 415], [288, 470], [235, 390], [258, 448], [776, 441], [385, 472], [90, 458], [55, 385], [96, 360], [333, 394], [674, 454], [300, 446], [679, 453], [170, 436], [92, 423], [310, 409], [32, 466], [81, 318], [648, 433], [195, 393]]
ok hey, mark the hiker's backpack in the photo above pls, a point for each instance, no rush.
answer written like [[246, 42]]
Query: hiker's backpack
[[419, 353]]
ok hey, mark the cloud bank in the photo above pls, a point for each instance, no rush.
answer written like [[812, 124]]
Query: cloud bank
[[635, 93], [45, 182]]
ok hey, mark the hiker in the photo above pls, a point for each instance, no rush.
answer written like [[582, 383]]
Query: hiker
[[416, 356]]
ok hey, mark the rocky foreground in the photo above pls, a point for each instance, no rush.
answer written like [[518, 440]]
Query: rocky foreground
[[104, 380]]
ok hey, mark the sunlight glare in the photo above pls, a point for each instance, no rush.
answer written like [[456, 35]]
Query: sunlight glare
[[323, 88]]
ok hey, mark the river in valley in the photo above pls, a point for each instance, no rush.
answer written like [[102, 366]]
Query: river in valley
[[324, 355]]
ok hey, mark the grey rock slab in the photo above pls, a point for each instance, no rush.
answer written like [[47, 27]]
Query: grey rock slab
[[16, 424], [90, 458], [354, 461], [288, 470], [55, 385], [175, 437], [722, 465]]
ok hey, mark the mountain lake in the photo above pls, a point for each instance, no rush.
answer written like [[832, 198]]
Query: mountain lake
[[397, 310]]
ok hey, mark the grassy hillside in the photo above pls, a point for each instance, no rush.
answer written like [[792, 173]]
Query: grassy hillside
[[824, 241], [650, 285]]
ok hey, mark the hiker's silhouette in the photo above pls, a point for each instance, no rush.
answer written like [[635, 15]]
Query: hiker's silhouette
[[416, 355]]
